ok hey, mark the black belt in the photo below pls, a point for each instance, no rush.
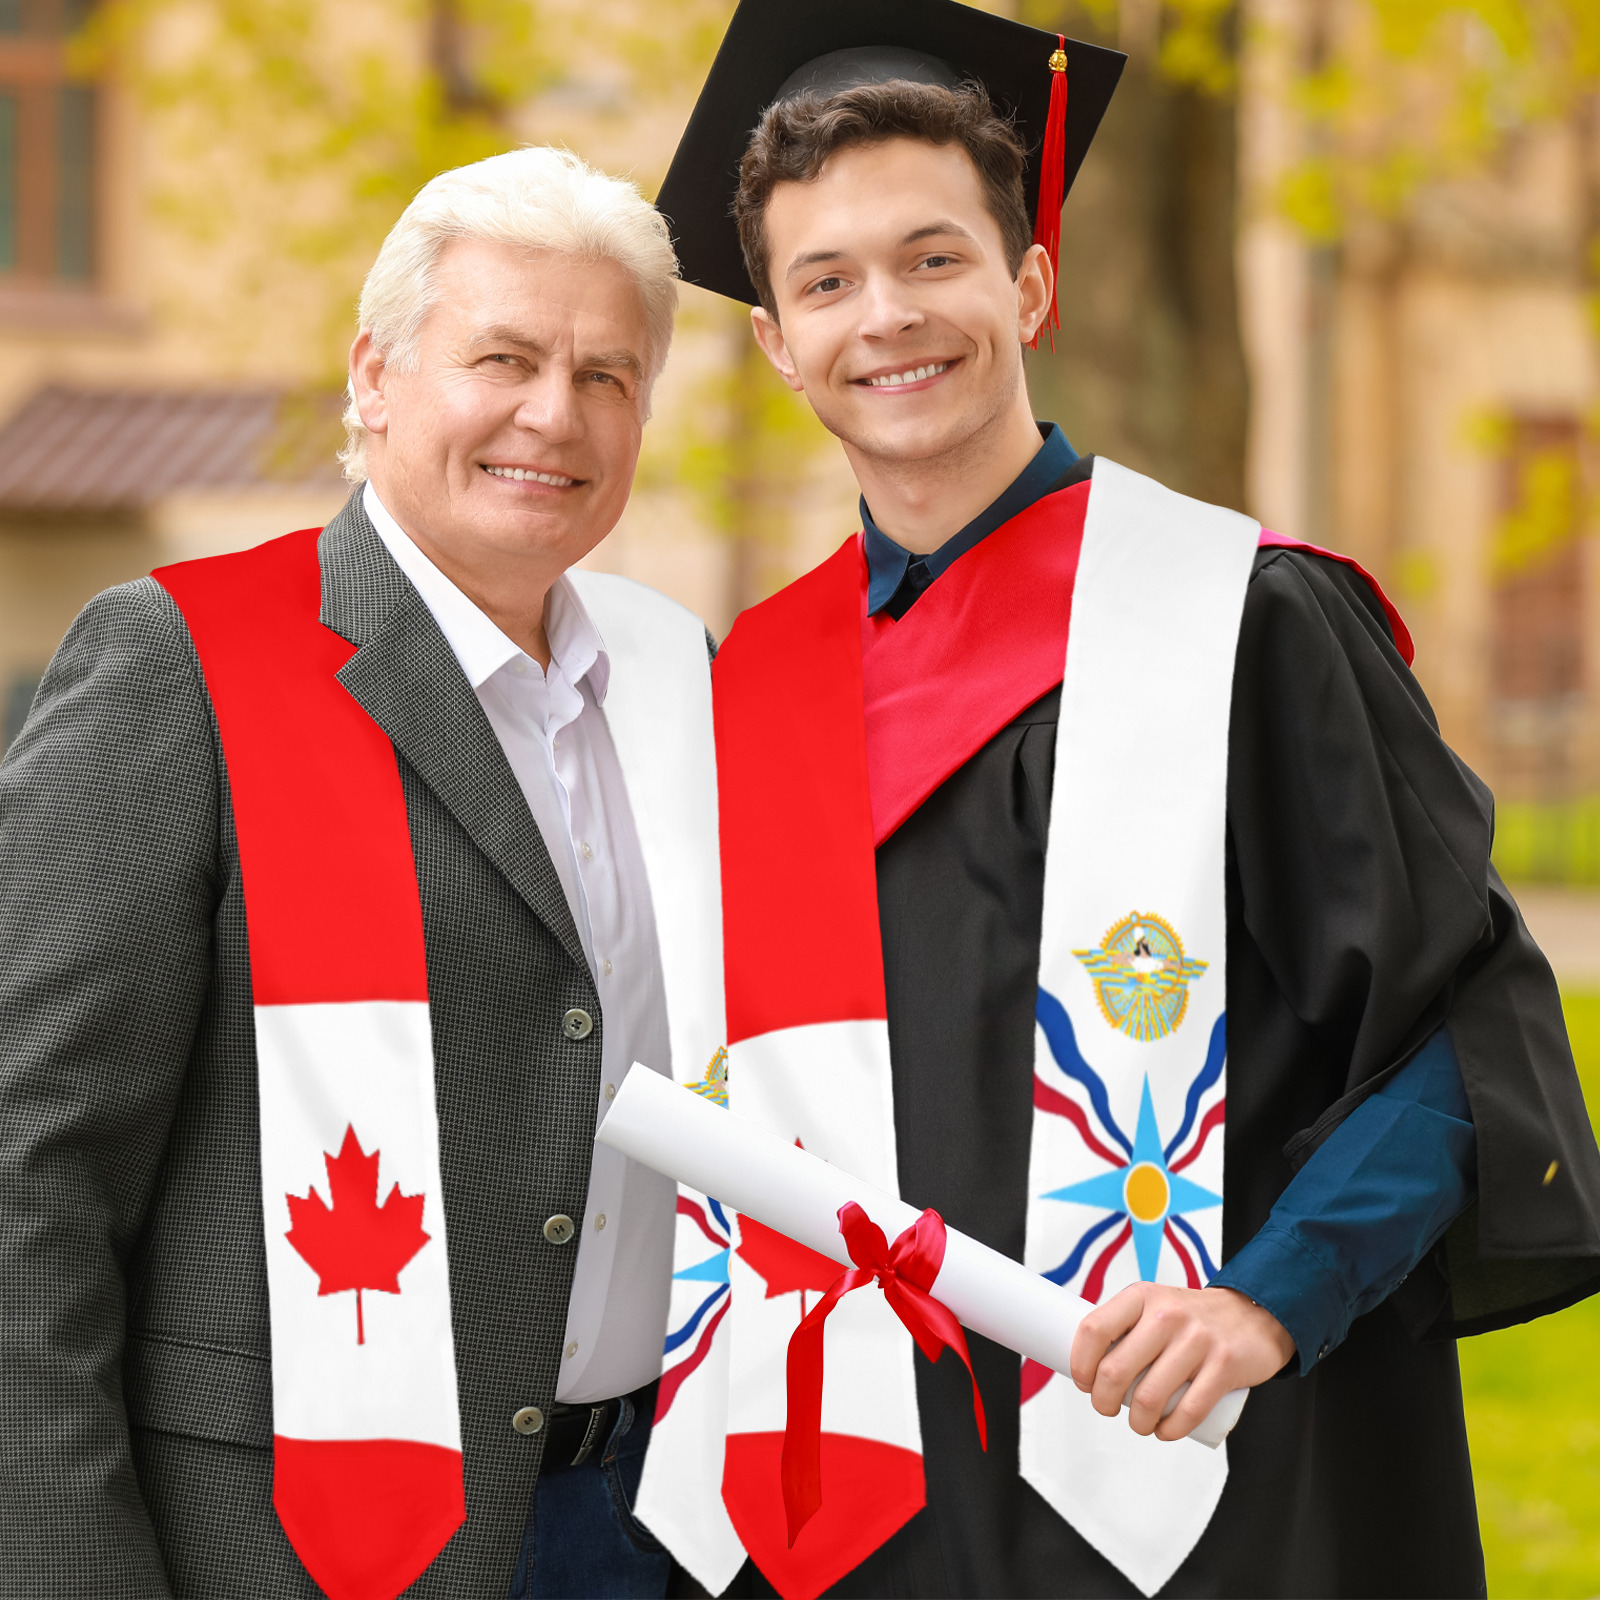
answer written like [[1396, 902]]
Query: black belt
[[575, 1434]]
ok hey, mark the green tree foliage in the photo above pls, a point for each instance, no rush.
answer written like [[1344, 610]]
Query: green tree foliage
[[1398, 94], [289, 135]]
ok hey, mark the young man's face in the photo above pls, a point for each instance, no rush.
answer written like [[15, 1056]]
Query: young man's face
[[897, 313]]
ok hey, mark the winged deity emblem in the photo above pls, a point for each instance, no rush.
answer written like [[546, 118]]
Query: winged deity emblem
[[1141, 976]]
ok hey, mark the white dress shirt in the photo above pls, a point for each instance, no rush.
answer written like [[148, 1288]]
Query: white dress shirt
[[554, 734]]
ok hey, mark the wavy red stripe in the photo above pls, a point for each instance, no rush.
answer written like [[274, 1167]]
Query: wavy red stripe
[[1184, 1256], [1213, 1119], [1094, 1285], [1047, 1099]]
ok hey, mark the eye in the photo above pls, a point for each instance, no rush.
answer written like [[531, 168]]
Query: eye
[[827, 285], [604, 377], [938, 261]]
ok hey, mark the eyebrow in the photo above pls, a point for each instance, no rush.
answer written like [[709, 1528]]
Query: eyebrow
[[944, 228], [626, 359]]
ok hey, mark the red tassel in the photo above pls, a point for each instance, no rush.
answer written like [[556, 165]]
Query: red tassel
[[1052, 180]]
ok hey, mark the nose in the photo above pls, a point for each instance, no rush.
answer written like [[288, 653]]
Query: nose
[[549, 405], [887, 311]]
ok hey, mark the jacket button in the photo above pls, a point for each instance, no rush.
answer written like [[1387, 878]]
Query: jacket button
[[559, 1229], [577, 1024], [530, 1419]]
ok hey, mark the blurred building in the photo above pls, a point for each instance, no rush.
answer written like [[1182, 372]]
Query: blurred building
[[118, 449], [1420, 393], [165, 394], [1425, 395]]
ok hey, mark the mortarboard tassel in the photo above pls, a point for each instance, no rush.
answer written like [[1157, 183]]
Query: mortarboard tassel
[[1052, 179]]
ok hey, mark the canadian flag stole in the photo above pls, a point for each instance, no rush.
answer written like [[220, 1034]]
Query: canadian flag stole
[[367, 1465]]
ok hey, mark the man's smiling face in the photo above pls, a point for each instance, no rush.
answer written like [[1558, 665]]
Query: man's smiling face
[[517, 431], [898, 314]]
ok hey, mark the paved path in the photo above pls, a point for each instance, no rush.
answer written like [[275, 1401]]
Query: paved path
[[1566, 922]]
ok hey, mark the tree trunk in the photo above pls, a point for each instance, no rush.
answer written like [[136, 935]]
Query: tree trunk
[[1149, 367]]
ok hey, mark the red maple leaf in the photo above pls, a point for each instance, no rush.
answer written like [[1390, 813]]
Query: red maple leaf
[[356, 1243], [785, 1265]]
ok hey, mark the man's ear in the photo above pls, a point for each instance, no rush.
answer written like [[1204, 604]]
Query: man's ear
[[367, 374], [1036, 284], [774, 346]]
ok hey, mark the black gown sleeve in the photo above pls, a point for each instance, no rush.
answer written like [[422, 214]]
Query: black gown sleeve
[[1364, 911]]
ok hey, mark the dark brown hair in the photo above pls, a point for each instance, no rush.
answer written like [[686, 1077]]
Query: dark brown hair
[[796, 137]]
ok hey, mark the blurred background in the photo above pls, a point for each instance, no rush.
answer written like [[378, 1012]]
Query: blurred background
[[1335, 262]]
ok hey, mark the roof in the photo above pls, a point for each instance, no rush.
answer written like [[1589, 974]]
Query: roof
[[97, 450]]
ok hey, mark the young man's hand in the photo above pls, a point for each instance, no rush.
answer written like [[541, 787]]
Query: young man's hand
[[1213, 1339]]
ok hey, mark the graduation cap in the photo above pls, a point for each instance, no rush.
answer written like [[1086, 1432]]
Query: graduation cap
[[1056, 91]]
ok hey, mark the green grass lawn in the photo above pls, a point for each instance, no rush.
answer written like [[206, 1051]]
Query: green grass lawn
[[1533, 1415]]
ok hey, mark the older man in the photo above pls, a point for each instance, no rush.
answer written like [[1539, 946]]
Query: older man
[[341, 881]]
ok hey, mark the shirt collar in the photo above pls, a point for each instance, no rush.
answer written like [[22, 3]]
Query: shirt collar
[[887, 561], [478, 643]]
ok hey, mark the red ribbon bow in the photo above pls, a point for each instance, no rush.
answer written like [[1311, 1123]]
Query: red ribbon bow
[[907, 1271]]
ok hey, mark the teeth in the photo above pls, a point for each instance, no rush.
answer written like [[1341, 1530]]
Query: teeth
[[521, 475], [915, 375]]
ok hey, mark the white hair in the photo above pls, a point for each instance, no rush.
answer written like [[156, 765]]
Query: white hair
[[537, 197]]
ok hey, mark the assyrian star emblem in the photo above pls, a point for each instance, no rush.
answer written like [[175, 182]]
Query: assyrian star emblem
[[1141, 976], [1147, 1191]]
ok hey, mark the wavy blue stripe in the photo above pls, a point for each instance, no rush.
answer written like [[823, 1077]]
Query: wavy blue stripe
[[1216, 1055], [686, 1332], [1194, 1239], [716, 1211], [1064, 1273], [1057, 1027]]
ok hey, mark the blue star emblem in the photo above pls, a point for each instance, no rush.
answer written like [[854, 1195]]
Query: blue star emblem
[[1145, 1191], [714, 1269]]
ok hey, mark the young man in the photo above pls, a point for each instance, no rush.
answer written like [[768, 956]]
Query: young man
[[1163, 953], [340, 882]]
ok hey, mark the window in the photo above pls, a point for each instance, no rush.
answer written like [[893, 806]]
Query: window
[[47, 148], [1537, 567]]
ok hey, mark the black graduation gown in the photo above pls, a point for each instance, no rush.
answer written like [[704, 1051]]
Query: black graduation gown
[[1362, 912]]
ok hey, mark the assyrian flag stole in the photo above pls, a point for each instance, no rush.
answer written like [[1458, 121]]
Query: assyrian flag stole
[[1130, 1076], [367, 1470], [367, 1464], [1130, 1082]]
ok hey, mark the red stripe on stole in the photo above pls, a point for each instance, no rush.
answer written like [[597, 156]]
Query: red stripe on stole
[[331, 897], [980, 646], [799, 885], [1214, 1118], [1052, 1100]]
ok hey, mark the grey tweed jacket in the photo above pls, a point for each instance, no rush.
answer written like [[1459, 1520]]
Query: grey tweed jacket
[[135, 1351]]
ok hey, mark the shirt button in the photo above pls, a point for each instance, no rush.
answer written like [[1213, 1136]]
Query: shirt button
[[520, 667], [559, 1229], [611, 1091], [600, 1223], [577, 1023], [572, 1349], [530, 1419], [606, 968]]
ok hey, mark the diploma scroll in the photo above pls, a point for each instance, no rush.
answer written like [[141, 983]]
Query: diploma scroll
[[678, 1133]]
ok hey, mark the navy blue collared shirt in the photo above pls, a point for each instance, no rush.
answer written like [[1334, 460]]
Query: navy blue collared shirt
[[1380, 1191], [895, 577]]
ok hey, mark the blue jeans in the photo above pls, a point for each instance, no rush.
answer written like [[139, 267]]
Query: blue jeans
[[582, 1541]]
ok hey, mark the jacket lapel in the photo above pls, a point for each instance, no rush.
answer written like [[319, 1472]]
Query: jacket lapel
[[406, 678]]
